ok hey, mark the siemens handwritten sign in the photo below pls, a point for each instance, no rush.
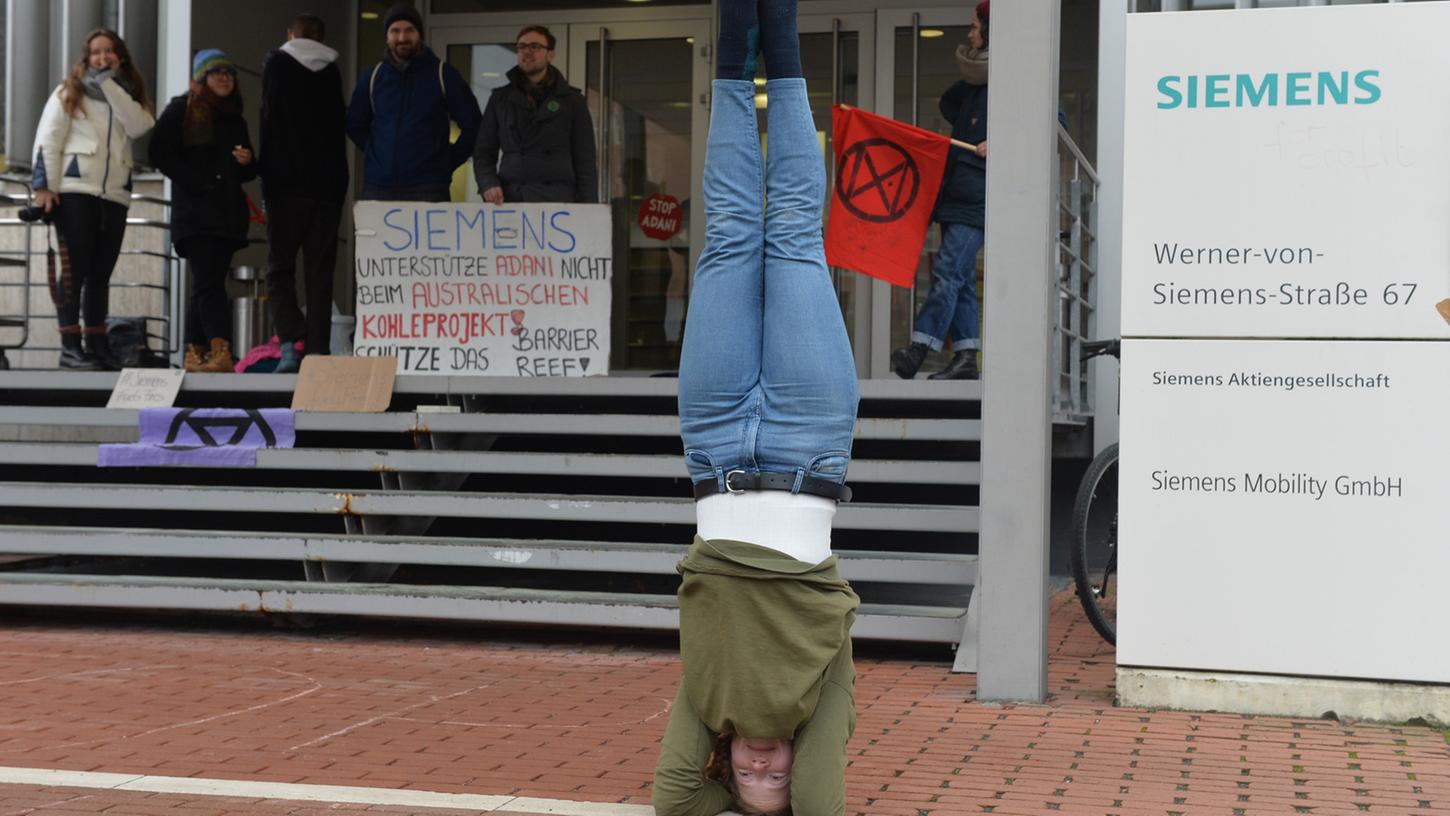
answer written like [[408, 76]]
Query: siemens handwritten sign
[[1277, 184], [518, 290]]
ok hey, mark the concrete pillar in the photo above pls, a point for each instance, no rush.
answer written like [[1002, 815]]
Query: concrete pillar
[[69, 22], [27, 75], [173, 59], [1016, 411], [137, 25], [1107, 289]]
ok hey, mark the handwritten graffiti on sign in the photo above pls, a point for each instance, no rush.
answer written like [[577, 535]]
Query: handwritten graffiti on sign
[[516, 290], [878, 180], [659, 216], [146, 388]]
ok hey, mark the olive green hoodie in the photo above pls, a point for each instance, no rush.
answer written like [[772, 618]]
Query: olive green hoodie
[[766, 645], [757, 630]]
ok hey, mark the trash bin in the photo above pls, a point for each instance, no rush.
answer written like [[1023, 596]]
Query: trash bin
[[249, 312], [341, 339]]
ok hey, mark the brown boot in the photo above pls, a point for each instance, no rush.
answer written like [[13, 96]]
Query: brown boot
[[219, 361], [195, 357]]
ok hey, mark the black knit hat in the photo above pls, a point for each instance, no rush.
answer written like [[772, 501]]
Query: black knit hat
[[402, 11]]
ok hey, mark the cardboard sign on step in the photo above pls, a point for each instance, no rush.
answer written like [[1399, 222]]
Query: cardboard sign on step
[[146, 388], [355, 384]]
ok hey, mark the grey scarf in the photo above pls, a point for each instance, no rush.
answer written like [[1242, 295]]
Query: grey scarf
[[973, 64], [92, 83]]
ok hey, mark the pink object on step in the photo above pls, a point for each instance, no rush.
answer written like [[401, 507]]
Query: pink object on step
[[270, 350]]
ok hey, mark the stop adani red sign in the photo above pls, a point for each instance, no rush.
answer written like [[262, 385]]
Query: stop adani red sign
[[659, 216]]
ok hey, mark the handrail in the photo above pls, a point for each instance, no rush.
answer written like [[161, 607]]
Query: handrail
[[168, 316], [1062, 136], [1075, 277]]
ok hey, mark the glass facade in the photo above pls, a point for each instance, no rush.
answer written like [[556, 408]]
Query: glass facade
[[644, 94]]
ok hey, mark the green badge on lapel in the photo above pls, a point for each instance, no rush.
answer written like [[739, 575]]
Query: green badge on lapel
[[553, 106]]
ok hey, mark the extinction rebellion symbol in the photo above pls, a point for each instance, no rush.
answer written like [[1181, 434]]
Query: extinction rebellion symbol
[[877, 180]]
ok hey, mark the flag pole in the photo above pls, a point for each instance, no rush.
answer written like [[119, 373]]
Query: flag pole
[[955, 142]]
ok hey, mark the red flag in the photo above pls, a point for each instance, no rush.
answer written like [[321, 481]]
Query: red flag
[[887, 177]]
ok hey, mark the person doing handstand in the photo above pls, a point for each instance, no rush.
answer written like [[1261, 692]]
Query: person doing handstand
[[768, 399]]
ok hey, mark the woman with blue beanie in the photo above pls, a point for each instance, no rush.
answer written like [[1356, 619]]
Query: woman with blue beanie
[[201, 144]]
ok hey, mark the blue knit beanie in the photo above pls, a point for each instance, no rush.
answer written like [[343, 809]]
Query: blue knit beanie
[[207, 60]]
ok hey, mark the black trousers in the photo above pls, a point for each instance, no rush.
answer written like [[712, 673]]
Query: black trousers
[[91, 228], [308, 224], [210, 313]]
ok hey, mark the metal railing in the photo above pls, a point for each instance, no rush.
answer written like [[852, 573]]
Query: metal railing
[[162, 327], [1076, 303]]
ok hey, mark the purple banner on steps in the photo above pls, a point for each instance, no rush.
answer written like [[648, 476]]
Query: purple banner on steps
[[202, 437]]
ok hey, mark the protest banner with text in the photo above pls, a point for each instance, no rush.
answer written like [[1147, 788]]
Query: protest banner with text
[[515, 290]]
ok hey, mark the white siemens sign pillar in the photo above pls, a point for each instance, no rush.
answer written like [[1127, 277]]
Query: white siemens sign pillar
[[1286, 304]]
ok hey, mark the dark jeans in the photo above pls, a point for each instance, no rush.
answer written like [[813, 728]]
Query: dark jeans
[[210, 312], [310, 225], [91, 230], [416, 192]]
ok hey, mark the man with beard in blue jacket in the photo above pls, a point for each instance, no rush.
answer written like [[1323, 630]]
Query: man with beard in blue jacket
[[400, 112]]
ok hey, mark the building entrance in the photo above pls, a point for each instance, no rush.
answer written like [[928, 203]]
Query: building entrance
[[647, 82]]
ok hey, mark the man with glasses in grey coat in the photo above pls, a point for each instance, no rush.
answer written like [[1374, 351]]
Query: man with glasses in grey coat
[[537, 138]]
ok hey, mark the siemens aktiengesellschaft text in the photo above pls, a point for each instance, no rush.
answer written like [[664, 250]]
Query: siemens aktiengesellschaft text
[[1285, 382]]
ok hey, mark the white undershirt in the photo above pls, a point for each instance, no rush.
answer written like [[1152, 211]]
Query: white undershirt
[[796, 524]]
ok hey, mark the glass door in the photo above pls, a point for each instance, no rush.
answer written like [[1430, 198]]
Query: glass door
[[915, 52], [647, 85]]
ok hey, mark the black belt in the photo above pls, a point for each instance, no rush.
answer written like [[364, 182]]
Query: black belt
[[738, 481]]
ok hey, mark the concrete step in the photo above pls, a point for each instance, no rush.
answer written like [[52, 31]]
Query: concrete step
[[898, 518], [587, 556], [440, 461], [944, 430], [892, 389], [922, 624]]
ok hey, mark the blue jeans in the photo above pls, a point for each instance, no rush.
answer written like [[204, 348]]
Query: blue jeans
[[767, 380], [951, 305]]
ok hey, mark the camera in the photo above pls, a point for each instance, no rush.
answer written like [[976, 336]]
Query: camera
[[34, 213]]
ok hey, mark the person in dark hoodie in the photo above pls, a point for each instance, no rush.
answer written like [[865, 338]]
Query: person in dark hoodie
[[541, 124], [950, 307], [201, 144], [303, 163], [399, 116]]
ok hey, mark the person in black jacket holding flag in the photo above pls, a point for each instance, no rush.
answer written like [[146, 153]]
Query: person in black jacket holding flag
[[950, 308], [541, 125], [303, 164]]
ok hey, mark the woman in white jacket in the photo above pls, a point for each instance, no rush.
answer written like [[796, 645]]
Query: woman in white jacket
[[83, 179]]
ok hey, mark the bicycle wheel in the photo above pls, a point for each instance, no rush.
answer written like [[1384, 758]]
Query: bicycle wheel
[[1095, 543]]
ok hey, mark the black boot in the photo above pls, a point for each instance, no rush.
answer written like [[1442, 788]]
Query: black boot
[[962, 367], [73, 357], [98, 345], [907, 361]]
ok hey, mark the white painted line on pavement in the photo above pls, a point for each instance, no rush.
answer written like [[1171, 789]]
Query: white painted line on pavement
[[195, 786]]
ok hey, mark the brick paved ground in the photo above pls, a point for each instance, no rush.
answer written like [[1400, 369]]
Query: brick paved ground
[[406, 706]]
